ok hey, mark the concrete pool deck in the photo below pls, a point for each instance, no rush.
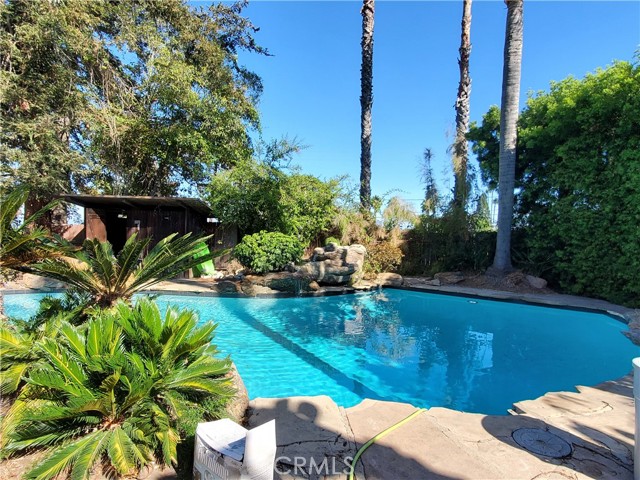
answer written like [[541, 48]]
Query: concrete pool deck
[[597, 422], [316, 438]]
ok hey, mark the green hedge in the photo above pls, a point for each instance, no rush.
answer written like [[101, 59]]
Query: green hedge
[[268, 251]]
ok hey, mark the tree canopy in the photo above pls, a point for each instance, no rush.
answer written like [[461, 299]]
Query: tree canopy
[[577, 180], [123, 97], [258, 195]]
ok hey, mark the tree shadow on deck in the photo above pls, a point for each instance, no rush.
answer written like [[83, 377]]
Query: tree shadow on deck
[[315, 441]]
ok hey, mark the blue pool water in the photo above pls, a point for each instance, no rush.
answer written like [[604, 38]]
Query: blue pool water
[[421, 348]]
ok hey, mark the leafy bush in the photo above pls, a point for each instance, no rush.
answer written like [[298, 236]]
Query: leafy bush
[[114, 391], [383, 256], [268, 251], [577, 177], [258, 196], [332, 240], [428, 251]]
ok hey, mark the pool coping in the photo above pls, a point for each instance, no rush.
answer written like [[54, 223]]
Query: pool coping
[[555, 300], [551, 300]]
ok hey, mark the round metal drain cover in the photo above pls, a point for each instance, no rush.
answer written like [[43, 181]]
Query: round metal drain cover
[[541, 442]]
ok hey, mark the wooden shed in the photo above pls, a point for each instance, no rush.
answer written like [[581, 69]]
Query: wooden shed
[[115, 218]]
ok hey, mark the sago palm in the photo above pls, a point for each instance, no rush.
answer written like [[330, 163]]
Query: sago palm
[[20, 340], [22, 243], [107, 278], [113, 393]]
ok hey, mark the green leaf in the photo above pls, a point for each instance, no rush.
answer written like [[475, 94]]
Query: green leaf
[[121, 451], [88, 455], [61, 459]]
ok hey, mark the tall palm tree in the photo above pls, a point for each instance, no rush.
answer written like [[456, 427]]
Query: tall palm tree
[[460, 148], [107, 278], [366, 102], [508, 133]]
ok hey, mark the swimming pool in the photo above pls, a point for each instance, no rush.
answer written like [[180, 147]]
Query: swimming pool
[[422, 348]]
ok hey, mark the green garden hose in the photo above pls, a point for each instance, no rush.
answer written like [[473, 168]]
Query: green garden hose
[[378, 437]]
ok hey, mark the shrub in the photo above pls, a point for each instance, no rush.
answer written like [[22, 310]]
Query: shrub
[[428, 252], [115, 390], [332, 240], [577, 199], [268, 251], [259, 196], [383, 256]]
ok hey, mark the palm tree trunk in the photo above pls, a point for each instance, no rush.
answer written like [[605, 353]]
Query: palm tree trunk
[[460, 148], [366, 103], [508, 133]]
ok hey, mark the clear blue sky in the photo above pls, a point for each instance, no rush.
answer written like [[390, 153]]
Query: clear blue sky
[[312, 81]]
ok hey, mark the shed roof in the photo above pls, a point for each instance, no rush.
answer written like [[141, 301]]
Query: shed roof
[[124, 201]]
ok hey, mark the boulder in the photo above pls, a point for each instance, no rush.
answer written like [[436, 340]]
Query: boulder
[[237, 407], [365, 286], [449, 278], [389, 279], [335, 265], [287, 282], [280, 281], [21, 281], [253, 290], [226, 286], [536, 282]]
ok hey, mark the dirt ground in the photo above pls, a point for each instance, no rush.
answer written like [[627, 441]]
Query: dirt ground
[[15, 468], [515, 282]]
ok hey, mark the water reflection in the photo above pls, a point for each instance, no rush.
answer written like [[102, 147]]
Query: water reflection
[[390, 345]]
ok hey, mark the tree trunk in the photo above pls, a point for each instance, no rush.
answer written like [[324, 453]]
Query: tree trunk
[[366, 103], [34, 204], [53, 220], [460, 148], [508, 133]]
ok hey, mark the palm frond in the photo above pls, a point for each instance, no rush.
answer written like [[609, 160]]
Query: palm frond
[[88, 455], [167, 259], [67, 366], [10, 206], [129, 256], [73, 339], [169, 440], [11, 377], [102, 262], [62, 458], [25, 243], [121, 451]]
